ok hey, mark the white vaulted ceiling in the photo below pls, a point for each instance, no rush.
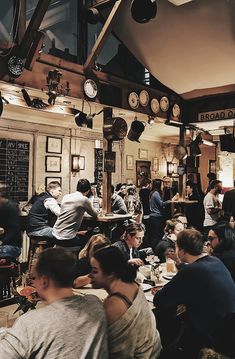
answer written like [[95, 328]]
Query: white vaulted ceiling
[[185, 47]]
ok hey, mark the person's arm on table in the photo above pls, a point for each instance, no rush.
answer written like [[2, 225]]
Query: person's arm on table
[[89, 209], [81, 281]]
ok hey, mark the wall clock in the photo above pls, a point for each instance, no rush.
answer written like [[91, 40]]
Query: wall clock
[[133, 100], [15, 66], [90, 88]]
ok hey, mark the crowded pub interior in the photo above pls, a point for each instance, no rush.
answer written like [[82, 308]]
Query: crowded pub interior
[[117, 179]]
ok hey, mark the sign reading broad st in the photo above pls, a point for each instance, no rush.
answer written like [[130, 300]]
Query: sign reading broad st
[[226, 114]]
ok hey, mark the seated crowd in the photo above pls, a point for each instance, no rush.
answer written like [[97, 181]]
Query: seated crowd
[[124, 326]]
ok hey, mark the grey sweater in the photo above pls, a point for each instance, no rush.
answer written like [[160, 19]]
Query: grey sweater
[[73, 207], [74, 327]]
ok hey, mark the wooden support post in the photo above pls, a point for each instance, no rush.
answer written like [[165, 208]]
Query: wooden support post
[[103, 36], [33, 26], [19, 25], [107, 176], [181, 162]]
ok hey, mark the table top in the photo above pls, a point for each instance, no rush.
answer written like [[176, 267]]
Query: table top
[[185, 201], [110, 218]]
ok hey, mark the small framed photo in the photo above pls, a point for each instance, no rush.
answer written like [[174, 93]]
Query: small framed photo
[[129, 162], [53, 179], [54, 145], [53, 164], [212, 166], [155, 164], [109, 161], [143, 154]]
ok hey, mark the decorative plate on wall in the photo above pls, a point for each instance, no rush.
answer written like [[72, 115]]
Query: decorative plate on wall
[[164, 103], [133, 100], [144, 98], [155, 106], [176, 110]]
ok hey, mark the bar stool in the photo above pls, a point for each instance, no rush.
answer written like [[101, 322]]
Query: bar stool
[[37, 245]]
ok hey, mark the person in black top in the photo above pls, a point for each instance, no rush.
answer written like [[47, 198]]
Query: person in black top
[[44, 212], [10, 237], [195, 211], [144, 195]]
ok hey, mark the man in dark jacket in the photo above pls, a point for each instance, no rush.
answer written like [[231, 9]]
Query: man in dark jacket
[[44, 211]]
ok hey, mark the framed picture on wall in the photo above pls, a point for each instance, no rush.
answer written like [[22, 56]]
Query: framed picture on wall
[[155, 164], [212, 166], [143, 154], [53, 164], [54, 145], [129, 162], [142, 171], [52, 179]]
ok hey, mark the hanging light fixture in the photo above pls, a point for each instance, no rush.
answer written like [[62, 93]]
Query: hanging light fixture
[[136, 130], [143, 11]]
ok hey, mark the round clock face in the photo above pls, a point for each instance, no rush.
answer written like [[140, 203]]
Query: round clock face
[[144, 98], [154, 104], [176, 110], [90, 88], [164, 103], [133, 100], [15, 66]]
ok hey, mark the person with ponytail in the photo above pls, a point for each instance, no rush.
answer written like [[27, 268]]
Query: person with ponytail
[[132, 329]]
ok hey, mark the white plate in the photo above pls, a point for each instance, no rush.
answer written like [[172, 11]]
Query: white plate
[[146, 286], [168, 276]]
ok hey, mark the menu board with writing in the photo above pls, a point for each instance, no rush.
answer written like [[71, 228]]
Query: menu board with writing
[[98, 168], [14, 168]]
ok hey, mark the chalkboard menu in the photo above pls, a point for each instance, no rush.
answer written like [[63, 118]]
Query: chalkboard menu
[[98, 168], [14, 168]]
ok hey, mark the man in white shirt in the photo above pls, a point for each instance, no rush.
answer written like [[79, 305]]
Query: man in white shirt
[[44, 211], [69, 326], [212, 205], [73, 207]]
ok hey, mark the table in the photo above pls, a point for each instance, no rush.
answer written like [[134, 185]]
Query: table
[[107, 223], [182, 202]]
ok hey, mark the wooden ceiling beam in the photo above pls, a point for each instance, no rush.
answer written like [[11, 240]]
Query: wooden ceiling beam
[[107, 28], [213, 91], [33, 26]]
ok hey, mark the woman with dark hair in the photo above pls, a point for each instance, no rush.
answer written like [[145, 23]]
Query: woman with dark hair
[[130, 242], [156, 221], [132, 329], [222, 243]]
